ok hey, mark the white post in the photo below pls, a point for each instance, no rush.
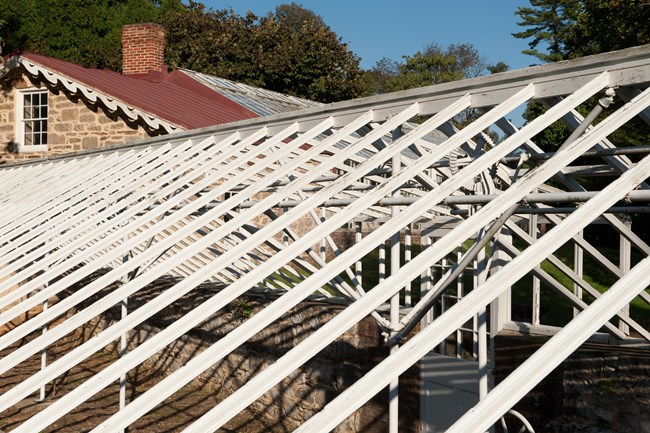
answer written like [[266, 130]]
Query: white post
[[123, 343], [323, 246], [358, 266], [536, 289], [625, 253], [500, 308], [483, 382], [125, 312], [578, 262], [393, 387], [382, 262], [407, 258], [41, 396], [426, 280], [459, 294]]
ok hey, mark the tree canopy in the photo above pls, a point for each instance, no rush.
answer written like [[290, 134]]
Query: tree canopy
[[574, 28], [433, 65], [551, 23], [290, 50]]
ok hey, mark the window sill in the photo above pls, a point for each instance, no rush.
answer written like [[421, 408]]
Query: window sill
[[32, 149]]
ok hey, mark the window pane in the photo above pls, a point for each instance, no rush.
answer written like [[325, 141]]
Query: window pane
[[35, 118]]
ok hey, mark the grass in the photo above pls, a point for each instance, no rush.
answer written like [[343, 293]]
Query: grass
[[555, 310]]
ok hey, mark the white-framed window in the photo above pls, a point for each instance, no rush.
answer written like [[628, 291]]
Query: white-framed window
[[31, 120]]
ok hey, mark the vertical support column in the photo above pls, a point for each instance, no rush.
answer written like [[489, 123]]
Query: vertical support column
[[426, 280], [483, 376], [625, 256], [407, 258], [323, 245], [123, 345], [393, 387], [532, 231], [358, 266], [578, 268], [459, 294], [123, 340], [41, 395], [382, 262], [475, 319], [500, 308], [285, 236]]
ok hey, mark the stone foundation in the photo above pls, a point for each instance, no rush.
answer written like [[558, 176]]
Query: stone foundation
[[307, 389], [598, 389]]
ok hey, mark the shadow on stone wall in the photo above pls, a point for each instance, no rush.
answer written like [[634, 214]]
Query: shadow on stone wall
[[300, 395]]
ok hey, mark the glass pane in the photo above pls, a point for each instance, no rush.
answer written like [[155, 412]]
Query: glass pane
[[37, 139], [44, 138], [44, 112], [37, 127], [35, 112], [27, 101], [29, 127], [28, 139]]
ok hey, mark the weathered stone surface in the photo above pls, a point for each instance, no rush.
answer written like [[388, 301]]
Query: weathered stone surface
[[306, 390], [72, 124], [596, 390]]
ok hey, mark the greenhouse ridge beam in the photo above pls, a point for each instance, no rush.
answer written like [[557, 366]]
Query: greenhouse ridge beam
[[630, 66]]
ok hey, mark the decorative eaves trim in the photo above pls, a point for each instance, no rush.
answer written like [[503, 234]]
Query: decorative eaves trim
[[93, 95]]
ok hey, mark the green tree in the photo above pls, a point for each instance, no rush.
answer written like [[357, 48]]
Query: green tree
[[551, 23], [433, 65], [84, 31], [574, 28], [301, 55], [290, 50], [609, 25]]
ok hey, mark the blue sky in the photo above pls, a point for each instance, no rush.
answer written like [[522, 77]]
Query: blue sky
[[388, 28]]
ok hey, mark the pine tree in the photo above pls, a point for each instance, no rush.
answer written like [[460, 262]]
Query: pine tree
[[549, 22]]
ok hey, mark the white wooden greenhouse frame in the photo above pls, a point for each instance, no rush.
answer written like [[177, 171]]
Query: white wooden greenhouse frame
[[189, 205]]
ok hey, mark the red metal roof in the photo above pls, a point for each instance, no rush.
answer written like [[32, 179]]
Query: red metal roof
[[172, 97]]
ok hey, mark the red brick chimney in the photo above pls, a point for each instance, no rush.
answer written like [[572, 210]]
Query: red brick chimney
[[143, 48]]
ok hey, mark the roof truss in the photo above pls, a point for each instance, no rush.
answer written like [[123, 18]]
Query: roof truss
[[247, 206]]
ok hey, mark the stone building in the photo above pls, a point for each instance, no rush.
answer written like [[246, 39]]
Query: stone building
[[51, 107]]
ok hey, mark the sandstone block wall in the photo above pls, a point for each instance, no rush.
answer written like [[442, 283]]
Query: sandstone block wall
[[307, 389], [598, 389], [73, 125]]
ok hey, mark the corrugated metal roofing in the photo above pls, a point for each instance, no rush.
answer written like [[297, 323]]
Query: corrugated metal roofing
[[168, 96], [261, 101]]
